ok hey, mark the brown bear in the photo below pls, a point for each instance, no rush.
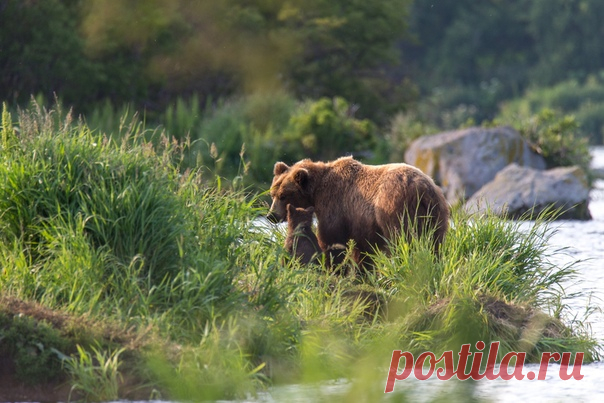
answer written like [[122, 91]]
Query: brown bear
[[365, 203], [301, 242]]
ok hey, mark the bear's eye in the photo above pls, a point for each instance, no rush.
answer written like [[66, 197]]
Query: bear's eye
[[281, 197]]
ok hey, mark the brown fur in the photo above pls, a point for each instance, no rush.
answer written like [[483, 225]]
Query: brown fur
[[301, 242], [368, 204]]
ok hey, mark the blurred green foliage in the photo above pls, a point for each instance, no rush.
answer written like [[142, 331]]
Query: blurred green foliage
[[43, 52], [326, 129], [402, 130], [150, 53], [567, 37], [35, 347], [583, 99], [374, 54], [477, 54], [350, 50], [557, 138], [243, 84], [244, 136], [467, 42]]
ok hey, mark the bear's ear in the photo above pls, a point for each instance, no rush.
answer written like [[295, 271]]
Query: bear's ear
[[301, 177], [280, 167], [290, 209]]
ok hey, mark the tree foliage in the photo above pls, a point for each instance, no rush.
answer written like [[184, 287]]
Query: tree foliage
[[467, 42], [492, 50], [568, 38], [375, 54], [42, 52], [327, 129], [153, 51], [348, 50]]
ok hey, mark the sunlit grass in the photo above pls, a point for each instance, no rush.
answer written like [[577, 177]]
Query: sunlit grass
[[95, 374]]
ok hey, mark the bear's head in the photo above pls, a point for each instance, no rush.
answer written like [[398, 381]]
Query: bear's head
[[299, 216], [290, 186]]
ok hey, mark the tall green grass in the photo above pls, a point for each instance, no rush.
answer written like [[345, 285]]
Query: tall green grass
[[95, 374], [99, 225], [494, 281], [118, 230]]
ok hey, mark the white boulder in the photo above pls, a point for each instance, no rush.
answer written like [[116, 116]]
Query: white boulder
[[463, 161], [517, 191]]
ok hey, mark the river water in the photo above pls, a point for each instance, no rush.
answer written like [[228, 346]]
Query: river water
[[575, 241], [582, 241]]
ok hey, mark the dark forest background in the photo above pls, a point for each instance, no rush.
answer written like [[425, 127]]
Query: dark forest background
[[299, 76]]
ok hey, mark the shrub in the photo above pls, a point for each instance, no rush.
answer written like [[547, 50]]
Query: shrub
[[247, 135], [556, 138], [326, 129], [591, 118], [241, 138], [256, 122], [450, 107], [35, 347], [584, 100]]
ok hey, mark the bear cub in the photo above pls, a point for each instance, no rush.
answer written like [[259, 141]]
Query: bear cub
[[301, 242]]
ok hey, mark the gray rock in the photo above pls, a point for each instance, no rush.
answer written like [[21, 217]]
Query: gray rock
[[463, 161], [525, 192]]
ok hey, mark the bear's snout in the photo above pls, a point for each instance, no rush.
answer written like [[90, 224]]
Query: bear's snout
[[274, 218], [277, 213]]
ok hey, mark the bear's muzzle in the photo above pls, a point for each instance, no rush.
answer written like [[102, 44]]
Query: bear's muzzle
[[274, 218]]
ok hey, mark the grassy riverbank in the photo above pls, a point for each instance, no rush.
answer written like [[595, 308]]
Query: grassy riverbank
[[123, 275]]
